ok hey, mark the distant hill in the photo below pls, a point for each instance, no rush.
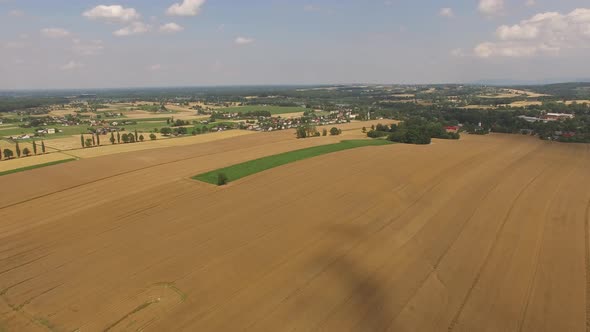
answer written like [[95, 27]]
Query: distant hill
[[576, 90], [509, 82]]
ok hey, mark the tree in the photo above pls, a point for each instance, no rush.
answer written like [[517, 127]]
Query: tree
[[43, 147], [335, 131], [221, 179], [301, 132], [17, 148], [153, 137], [34, 147], [26, 152], [8, 154], [112, 139], [141, 138], [136, 137], [166, 131], [364, 129], [93, 140], [89, 142], [98, 139], [118, 137], [125, 138], [82, 140], [325, 132]]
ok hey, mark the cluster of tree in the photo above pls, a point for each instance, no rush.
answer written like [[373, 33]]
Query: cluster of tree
[[9, 154], [306, 130], [412, 131], [118, 138], [255, 114], [177, 123]]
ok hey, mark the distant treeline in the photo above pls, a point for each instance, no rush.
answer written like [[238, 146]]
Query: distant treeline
[[8, 104], [412, 131]]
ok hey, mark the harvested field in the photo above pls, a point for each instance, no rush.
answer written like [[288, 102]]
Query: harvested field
[[476, 107], [489, 233], [524, 103], [7, 165], [274, 110], [289, 115]]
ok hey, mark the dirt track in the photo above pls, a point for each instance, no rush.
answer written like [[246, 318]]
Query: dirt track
[[483, 234]]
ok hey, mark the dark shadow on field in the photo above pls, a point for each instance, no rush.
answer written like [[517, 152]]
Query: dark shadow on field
[[363, 289]]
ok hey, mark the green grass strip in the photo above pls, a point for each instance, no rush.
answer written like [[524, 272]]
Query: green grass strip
[[239, 171], [28, 168]]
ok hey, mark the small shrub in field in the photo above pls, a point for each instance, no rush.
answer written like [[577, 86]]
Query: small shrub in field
[[221, 179]]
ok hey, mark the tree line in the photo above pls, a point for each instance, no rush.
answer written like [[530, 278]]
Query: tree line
[[412, 131], [118, 138], [8, 154]]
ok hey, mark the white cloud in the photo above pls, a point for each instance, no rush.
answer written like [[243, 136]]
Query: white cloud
[[135, 28], [55, 32], [93, 47], [544, 33], [458, 52], [491, 7], [113, 13], [72, 65], [446, 12], [16, 13], [171, 28], [186, 8], [155, 67], [311, 8], [243, 41], [14, 45], [517, 32]]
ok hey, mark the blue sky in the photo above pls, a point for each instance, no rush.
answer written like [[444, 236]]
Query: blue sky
[[65, 44]]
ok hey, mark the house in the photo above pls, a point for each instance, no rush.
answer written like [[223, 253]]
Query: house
[[51, 131], [557, 116], [452, 129]]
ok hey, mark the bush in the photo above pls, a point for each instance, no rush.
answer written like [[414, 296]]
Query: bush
[[377, 134], [335, 131], [8, 154], [221, 179], [301, 132], [325, 132], [166, 131], [153, 137]]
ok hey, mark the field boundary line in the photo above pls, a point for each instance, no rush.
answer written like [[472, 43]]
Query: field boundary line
[[492, 248], [464, 224], [587, 261], [538, 253], [379, 229], [112, 176]]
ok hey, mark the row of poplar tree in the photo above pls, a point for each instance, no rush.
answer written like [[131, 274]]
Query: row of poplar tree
[[9, 154], [94, 139]]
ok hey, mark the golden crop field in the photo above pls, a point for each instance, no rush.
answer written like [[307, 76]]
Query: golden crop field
[[488, 233]]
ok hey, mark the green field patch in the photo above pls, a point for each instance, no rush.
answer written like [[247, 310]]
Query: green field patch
[[272, 109], [239, 171], [28, 168]]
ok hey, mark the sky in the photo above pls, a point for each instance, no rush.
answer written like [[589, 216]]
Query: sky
[[54, 44]]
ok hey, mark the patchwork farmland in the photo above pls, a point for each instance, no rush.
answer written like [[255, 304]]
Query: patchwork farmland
[[481, 234]]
